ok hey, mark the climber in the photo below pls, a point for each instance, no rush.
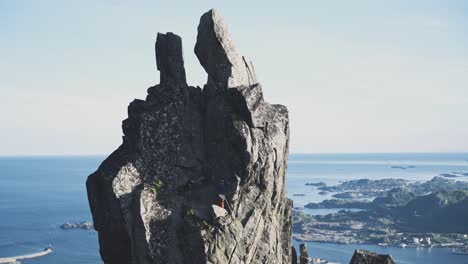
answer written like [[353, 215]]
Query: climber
[[221, 192], [223, 203], [222, 200]]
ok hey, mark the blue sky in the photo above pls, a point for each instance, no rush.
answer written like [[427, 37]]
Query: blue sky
[[357, 76]]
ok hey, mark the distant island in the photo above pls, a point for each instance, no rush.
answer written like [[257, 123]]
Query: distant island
[[403, 167], [365, 188], [79, 225], [431, 213], [317, 184], [454, 174]]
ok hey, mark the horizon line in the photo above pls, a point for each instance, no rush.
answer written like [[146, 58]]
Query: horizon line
[[291, 153]]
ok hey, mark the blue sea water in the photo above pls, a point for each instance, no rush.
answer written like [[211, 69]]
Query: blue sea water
[[38, 194]]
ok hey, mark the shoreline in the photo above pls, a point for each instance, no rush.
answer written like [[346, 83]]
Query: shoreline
[[300, 239]]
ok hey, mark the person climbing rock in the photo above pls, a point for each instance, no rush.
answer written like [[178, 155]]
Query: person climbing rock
[[222, 200], [221, 193]]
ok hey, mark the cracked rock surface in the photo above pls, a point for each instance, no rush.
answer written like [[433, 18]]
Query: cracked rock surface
[[188, 152]]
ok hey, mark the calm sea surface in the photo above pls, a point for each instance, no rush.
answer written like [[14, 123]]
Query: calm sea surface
[[38, 194]]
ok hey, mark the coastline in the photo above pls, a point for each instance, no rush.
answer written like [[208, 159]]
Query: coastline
[[341, 253], [305, 238]]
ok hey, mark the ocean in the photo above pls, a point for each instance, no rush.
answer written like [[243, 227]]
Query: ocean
[[38, 194]]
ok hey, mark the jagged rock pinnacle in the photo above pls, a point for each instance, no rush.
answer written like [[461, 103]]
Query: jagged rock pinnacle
[[304, 255], [169, 58], [200, 175], [218, 55]]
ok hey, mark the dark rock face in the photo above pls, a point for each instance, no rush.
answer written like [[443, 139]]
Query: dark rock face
[[158, 198], [367, 257], [293, 255], [304, 255]]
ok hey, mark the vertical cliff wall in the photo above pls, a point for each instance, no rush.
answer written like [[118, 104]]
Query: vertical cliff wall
[[200, 175]]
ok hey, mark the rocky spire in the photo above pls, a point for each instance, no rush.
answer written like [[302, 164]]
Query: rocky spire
[[186, 154], [293, 256], [218, 55], [169, 58], [304, 255]]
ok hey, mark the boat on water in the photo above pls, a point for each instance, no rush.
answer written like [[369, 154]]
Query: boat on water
[[460, 251], [49, 247], [14, 259]]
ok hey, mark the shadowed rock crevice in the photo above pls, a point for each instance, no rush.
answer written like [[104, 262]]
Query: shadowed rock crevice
[[158, 197]]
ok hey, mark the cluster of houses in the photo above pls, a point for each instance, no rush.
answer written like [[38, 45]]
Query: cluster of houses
[[418, 242]]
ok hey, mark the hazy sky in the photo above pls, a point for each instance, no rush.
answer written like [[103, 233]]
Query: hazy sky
[[357, 76]]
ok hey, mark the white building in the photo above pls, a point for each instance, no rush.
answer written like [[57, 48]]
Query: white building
[[428, 240]]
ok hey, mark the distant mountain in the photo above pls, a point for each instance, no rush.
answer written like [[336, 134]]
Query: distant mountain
[[440, 212], [395, 197], [443, 212], [438, 184]]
